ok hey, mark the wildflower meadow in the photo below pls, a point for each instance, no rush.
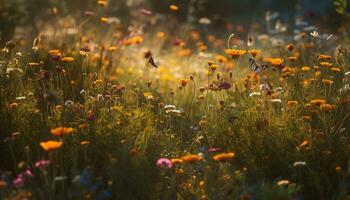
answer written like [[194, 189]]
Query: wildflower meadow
[[174, 99]]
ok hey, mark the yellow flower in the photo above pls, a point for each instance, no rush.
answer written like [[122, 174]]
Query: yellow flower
[[324, 57], [326, 64], [235, 53], [292, 58], [254, 52], [292, 103], [192, 158], [327, 81], [104, 19], [317, 102], [51, 145], [214, 67], [223, 157], [55, 52], [335, 69], [59, 131], [33, 64], [318, 73], [177, 161], [67, 59], [160, 34], [173, 8], [305, 69], [221, 59], [276, 61], [102, 3], [112, 48], [326, 107]]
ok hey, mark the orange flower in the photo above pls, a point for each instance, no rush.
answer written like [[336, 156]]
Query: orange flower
[[104, 19], [59, 131], [221, 59], [133, 40], [274, 61], [305, 69], [290, 47], [177, 161], [292, 103], [254, 52], [335, 69], [85, 142], [173, 8], [292, 58], [326, 107], [324, 57], [303, 144], [55, 52], [317, 102], [214, 67], [112, 48], [184, 82], [318, 73], [326, 64], [192, 158], [102, 3], [51, 145], [327, 81], [160, 34], [67, 59], [224, 157], [235, 53]]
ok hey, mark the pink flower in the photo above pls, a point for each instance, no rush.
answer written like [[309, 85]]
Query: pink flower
[[164, 163], [42, 163]]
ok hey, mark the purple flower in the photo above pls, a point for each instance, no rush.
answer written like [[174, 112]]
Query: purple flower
[[224, 86], [164, 163]]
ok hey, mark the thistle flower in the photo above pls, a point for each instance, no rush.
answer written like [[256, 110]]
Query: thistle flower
[[164, 163]]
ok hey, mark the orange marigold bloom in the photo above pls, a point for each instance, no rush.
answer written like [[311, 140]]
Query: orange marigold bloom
[[214, 67], [177, 161], [275, 61], [326, 107], [51, 145], [224, 157], [292, 103], [326, 64], [324, 57], [192, 158], [335, 69], [235, 53], [317, 102], [254, 52], [318, 73], [67, 59], [173, 7], [54, 52], [327, 81], [305, 69], [59, 131], [104, 19], [112, 48], [292, 58]]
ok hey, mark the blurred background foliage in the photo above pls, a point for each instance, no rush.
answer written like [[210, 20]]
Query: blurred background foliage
[[29, 12]]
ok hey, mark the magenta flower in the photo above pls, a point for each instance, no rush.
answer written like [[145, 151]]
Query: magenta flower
[[42, 163], [212, 150], [164, 163]]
